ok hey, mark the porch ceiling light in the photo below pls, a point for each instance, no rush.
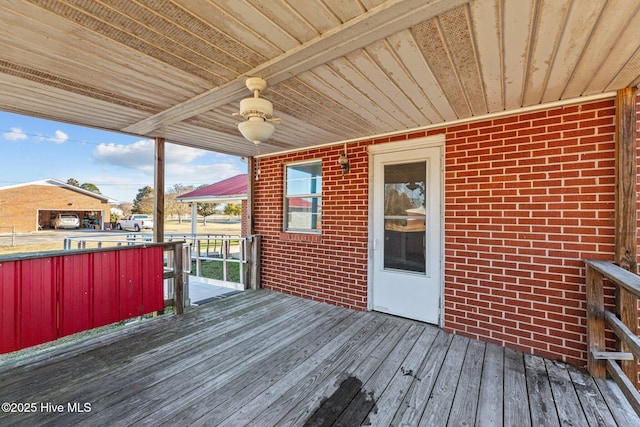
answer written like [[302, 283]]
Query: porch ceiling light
[[258, 113], [343, 160]]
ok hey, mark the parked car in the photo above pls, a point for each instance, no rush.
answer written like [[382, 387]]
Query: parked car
[[135, 221], [65, 220]]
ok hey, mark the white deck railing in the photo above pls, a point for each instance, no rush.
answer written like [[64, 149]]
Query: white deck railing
[[203, 248]]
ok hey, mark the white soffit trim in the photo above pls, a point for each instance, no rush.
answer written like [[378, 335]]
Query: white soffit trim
[[546, 106], [412, 144]]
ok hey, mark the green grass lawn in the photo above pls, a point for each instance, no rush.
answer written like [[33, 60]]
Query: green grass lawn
[[213, 270]]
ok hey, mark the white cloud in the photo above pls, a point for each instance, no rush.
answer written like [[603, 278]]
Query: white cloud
[[181, 154], [137, 156], [16, 134], [60, 137], [180, 167], [200, 174], [141, 155]]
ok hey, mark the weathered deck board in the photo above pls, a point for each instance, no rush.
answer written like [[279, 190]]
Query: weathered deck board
[[441, 399], [233, 392], [302, 399], [376, 380], [159, 354], [402, 380], [261, 358], [415, 401], [491, 398], [158, 338], [595, 408], [621, 410], [516, 406], [567, 403], [465, 403], [333, 381], [540, 394], [245, 347]]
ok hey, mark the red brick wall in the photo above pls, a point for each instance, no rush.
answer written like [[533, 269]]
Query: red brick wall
[[527, 197], [330, 267], [19, 205]]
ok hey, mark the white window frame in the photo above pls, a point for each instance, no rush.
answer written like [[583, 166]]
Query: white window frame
[[318, 195]]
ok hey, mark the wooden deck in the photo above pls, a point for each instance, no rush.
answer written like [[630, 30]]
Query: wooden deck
[[266, 359]]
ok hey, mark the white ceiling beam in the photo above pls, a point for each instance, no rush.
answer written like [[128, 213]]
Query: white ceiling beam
[[376, 24]]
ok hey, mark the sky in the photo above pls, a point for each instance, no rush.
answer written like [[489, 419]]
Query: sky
[[119, 165]]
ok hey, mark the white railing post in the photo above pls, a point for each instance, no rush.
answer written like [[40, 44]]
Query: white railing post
[[169, 282], [254, 261], [186, 270], [225, 255], [243, 261], [198, 258]]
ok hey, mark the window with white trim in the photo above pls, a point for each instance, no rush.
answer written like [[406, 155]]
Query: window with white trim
[[303, 197]]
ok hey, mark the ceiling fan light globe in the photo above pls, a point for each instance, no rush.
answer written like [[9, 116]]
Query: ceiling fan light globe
[[256, 131]]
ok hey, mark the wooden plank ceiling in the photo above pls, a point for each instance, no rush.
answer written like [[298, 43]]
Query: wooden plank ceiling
[[336, 69]]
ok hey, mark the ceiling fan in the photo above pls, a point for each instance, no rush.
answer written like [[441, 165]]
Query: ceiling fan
[[257, 112]]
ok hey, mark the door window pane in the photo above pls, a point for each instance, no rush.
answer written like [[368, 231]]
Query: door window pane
[[404, 216]]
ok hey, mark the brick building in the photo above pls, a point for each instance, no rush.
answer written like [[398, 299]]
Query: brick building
[[525, 198], [30, 206]]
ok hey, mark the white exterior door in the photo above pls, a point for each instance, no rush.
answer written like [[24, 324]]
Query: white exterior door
[[406, 269]]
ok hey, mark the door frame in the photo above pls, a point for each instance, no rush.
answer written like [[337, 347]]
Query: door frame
[[437, 141]]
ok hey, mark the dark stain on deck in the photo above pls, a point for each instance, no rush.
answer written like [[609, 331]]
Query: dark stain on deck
[[347, 405]]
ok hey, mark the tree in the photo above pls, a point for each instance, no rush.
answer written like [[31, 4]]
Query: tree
[[206, 209], [143, 203], [396, 203], [233, 210], [90, 187], [86, 186], [125, 207], [173, 206]]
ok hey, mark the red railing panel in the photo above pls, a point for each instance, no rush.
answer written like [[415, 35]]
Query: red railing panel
[[75, 295], [105, 289], [37, 318], [8, 305], [152, 268], [47, 297], [130, 283]]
